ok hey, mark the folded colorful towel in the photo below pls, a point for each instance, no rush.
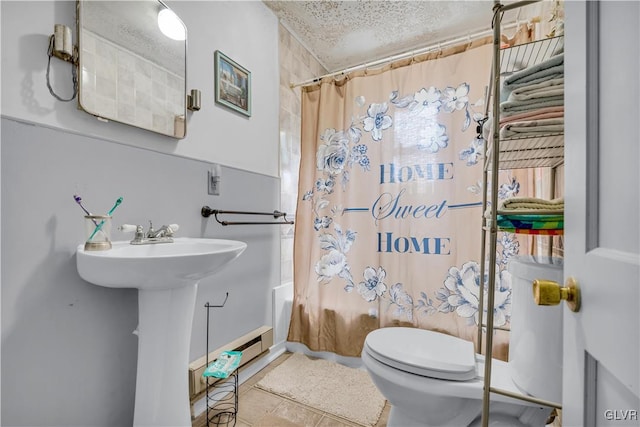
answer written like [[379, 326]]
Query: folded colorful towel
[[538, 232], [520, 224], [531, 217]]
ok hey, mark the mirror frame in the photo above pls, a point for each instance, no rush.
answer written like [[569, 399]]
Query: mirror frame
[[136, 91]]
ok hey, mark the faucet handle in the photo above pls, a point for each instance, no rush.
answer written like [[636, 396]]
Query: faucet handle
[[172, 228], [128, 228]]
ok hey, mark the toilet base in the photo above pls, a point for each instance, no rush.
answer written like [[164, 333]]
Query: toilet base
[[418, 401], [397, 418], [534, 416], [403, 416]]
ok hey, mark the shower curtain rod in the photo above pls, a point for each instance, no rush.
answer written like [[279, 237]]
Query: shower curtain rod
[[404, 55]]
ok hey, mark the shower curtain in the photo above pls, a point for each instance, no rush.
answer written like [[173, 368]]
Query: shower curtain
[[388, 222]]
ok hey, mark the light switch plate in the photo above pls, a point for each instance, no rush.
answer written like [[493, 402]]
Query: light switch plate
[[213, 184]]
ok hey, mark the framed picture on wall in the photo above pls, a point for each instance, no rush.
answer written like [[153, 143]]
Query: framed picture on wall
[[232, 84]]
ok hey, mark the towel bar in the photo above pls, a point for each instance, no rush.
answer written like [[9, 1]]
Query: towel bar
[[206, 212]]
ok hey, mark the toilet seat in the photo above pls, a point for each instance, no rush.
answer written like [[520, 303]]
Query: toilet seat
[[422, 352]]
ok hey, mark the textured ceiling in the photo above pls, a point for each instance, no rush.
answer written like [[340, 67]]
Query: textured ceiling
[[134, 25], [342, 34]]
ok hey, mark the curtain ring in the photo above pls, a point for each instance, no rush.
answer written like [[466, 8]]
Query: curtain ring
[[341, 79]]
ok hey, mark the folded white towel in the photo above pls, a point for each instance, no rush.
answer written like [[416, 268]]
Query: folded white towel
[[531, 203], [532, 207], [540, 113], [538, 89], [518, 106], [538, 93], [532, 127], [552, 68], [558, 201]]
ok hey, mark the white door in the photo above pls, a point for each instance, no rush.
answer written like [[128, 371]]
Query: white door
[[601, 380]]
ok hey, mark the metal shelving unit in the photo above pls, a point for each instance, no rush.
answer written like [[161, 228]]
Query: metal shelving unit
[[510, 153]]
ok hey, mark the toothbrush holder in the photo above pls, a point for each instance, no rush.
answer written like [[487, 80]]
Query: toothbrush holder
[[97, 232]]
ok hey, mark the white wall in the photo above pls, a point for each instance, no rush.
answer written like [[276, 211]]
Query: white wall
[[68, 355], [246, 31]]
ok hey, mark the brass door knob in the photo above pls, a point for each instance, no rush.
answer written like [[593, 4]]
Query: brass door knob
[[547, 292]]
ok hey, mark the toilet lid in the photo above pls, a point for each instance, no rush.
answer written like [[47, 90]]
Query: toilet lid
[[421, 352]]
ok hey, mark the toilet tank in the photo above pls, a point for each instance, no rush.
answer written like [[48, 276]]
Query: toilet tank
[[535, 343]]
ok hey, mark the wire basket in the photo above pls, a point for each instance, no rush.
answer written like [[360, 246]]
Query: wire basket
[[222, 400], [221, 394]]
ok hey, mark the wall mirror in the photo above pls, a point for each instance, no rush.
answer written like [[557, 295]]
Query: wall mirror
[[132, 64]]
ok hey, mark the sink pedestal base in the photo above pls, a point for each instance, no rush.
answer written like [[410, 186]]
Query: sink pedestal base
[[164, 335]]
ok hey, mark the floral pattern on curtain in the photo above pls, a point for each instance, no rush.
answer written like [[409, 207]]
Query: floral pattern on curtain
[[389, 217]]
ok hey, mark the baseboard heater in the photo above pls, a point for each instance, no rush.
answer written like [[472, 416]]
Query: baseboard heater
[[252, 345]]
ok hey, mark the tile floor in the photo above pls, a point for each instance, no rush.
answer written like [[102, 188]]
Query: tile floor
[[259, 408]]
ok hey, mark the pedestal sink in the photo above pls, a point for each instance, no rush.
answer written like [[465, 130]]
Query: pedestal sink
[[166, 276]]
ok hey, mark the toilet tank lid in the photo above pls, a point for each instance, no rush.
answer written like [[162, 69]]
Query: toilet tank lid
[[424, 352], [533, 267]]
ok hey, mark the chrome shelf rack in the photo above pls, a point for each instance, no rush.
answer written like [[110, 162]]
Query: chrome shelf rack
[[511, 153]]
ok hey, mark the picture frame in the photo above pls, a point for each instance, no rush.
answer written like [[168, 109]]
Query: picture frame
[[232, 84]]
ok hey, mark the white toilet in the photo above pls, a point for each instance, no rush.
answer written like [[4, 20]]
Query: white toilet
[[433, 379]]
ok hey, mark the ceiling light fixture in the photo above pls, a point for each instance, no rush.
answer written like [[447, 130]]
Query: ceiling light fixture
[[170, 25]]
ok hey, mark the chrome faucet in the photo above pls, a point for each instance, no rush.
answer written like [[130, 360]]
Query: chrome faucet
[[162, 235]]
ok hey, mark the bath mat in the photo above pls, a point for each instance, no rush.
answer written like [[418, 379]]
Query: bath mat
[[338, 390]]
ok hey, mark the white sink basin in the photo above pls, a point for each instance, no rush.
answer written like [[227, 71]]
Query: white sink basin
[[157, 266], [166, 276]]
